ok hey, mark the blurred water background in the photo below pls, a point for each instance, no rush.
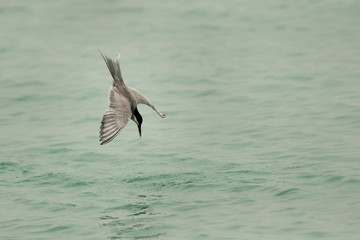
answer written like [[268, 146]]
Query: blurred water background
[[261, 139]]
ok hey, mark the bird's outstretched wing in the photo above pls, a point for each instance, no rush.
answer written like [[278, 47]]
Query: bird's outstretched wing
[[116, 116]]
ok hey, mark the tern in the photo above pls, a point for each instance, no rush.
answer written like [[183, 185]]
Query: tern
[[123, 103]]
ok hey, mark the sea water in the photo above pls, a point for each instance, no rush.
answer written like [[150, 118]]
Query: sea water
[[261, 138]]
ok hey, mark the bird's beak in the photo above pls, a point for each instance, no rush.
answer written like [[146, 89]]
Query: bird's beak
[[139, 127]]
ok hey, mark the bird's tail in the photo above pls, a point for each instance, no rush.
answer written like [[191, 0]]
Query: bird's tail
[[114, 67]]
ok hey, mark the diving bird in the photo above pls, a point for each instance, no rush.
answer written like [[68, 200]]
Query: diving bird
[[123, 103]]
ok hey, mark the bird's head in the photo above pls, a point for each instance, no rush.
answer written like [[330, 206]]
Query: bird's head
[[138, 120]]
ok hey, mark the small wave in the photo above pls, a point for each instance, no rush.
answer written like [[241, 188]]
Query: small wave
[[25, 98], [287, 192], [7, 165], [148, 178], [130, 207], [352, 180], [244, 188], [139, 224], [60, 150], [53, 178], [57, 228], [339, 179], [107, 217], [335, 178]]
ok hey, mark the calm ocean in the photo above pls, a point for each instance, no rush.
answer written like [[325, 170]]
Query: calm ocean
[[261, 138]]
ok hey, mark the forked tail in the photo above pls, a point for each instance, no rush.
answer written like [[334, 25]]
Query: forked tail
[[114, 67]]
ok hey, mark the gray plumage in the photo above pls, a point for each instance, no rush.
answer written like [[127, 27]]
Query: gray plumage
[[123, 103]]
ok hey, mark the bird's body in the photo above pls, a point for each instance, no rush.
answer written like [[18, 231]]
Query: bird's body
[[123, 103]]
